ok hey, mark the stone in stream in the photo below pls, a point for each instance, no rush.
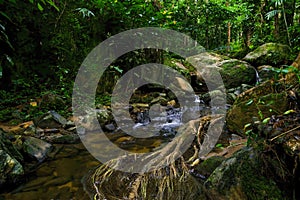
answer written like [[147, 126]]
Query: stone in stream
[[110, 127], [269, 54], [36, 148], [51, 119], [233, 72], [11, 170], [62, 139], [7, 146]]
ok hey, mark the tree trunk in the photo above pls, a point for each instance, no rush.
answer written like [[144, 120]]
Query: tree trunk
[[296, 63], [228, 32]]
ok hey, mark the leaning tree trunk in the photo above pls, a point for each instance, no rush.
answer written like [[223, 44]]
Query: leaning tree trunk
[[296, 63]]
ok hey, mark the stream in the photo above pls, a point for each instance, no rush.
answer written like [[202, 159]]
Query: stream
[[61, 176]]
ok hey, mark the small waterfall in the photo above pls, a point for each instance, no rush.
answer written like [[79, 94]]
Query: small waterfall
[[258, 79]]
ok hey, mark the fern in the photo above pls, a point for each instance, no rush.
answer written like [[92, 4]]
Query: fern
[[272, 13]]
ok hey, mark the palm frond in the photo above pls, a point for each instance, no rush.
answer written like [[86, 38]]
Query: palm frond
[[272, 13]]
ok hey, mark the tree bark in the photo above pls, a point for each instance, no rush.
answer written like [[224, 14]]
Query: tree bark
[[296, 63]]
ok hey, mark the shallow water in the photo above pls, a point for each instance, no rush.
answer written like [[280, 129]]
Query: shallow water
[[59, 178]]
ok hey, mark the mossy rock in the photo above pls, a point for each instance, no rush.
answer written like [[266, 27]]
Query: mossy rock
[[11, 170], [209, 165], [243, 110], [269, 54], [7, 145], [239, 177], [235, 73]]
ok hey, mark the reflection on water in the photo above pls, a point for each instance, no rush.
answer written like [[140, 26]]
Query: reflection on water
[[59, 178]]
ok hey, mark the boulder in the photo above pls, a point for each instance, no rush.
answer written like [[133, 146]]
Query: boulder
[[244, 109], [36, 148], [49, 120], [240, 177], [7, 146], [10, 169], [233, 72], [269, 54]]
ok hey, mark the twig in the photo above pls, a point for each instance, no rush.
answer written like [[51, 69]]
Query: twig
[[284, 133]]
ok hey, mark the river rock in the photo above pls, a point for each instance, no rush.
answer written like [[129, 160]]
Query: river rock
[[7, 146], [10, 169], [51, 119], [269, 54], [246, 108], [62, 139], [233, 72], [240, 177], [36, 148]]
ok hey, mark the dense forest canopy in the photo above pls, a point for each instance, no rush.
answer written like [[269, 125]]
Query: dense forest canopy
[[44, 42]]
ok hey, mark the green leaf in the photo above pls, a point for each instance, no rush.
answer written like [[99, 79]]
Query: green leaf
[[288, 112], [249, 102], [260, 114], [247, 125], [248, 132], [266, 120], [219, 145], [40, 7], [5, 15]]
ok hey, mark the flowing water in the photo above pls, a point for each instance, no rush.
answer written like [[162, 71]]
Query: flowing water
[[60, 177]]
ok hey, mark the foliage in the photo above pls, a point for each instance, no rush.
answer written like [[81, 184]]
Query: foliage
[[45, 41]]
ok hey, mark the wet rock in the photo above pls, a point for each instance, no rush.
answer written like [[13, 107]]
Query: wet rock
[[62, 139], [10, 169], [217, 95], [69, 125], [30, 130], [110, 127], [36, 148], [243, 111], [240, 177], [50, 119], [7, 145], [269, 54]]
